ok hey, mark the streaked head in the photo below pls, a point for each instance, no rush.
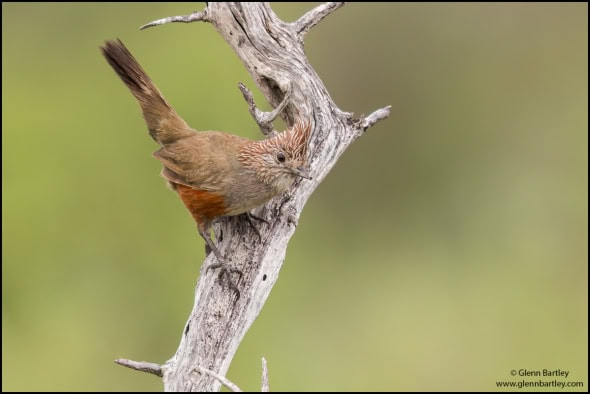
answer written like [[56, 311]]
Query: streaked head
[[279, 160]]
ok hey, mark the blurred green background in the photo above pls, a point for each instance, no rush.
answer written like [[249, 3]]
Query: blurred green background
[[447, 247]]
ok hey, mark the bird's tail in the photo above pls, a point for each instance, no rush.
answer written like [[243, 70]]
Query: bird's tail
[[164, 124]]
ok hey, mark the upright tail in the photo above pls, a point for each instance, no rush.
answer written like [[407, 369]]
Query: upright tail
[[164, 124]]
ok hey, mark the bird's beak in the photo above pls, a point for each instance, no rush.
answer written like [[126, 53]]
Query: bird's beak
[[302, 172]]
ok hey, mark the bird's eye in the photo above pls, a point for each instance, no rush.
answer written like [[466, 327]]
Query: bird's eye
[[281, 157]]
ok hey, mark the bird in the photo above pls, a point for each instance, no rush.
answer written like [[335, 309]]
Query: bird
[[214, 173]]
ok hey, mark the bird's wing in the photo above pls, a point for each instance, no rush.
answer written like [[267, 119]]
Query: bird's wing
[[204, 160]]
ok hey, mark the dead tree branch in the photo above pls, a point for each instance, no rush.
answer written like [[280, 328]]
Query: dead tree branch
[[272, 52]]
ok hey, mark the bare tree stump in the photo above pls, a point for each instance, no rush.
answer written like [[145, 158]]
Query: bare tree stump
[[272, 52]]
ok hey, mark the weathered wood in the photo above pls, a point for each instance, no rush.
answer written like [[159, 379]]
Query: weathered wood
[[272, 52]]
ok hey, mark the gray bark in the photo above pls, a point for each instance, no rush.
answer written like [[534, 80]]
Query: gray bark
[[272, 52]]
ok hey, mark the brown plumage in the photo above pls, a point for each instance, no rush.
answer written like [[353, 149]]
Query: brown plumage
[[214, 173]]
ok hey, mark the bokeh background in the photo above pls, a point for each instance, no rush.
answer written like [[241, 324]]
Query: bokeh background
[[446, 248]]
